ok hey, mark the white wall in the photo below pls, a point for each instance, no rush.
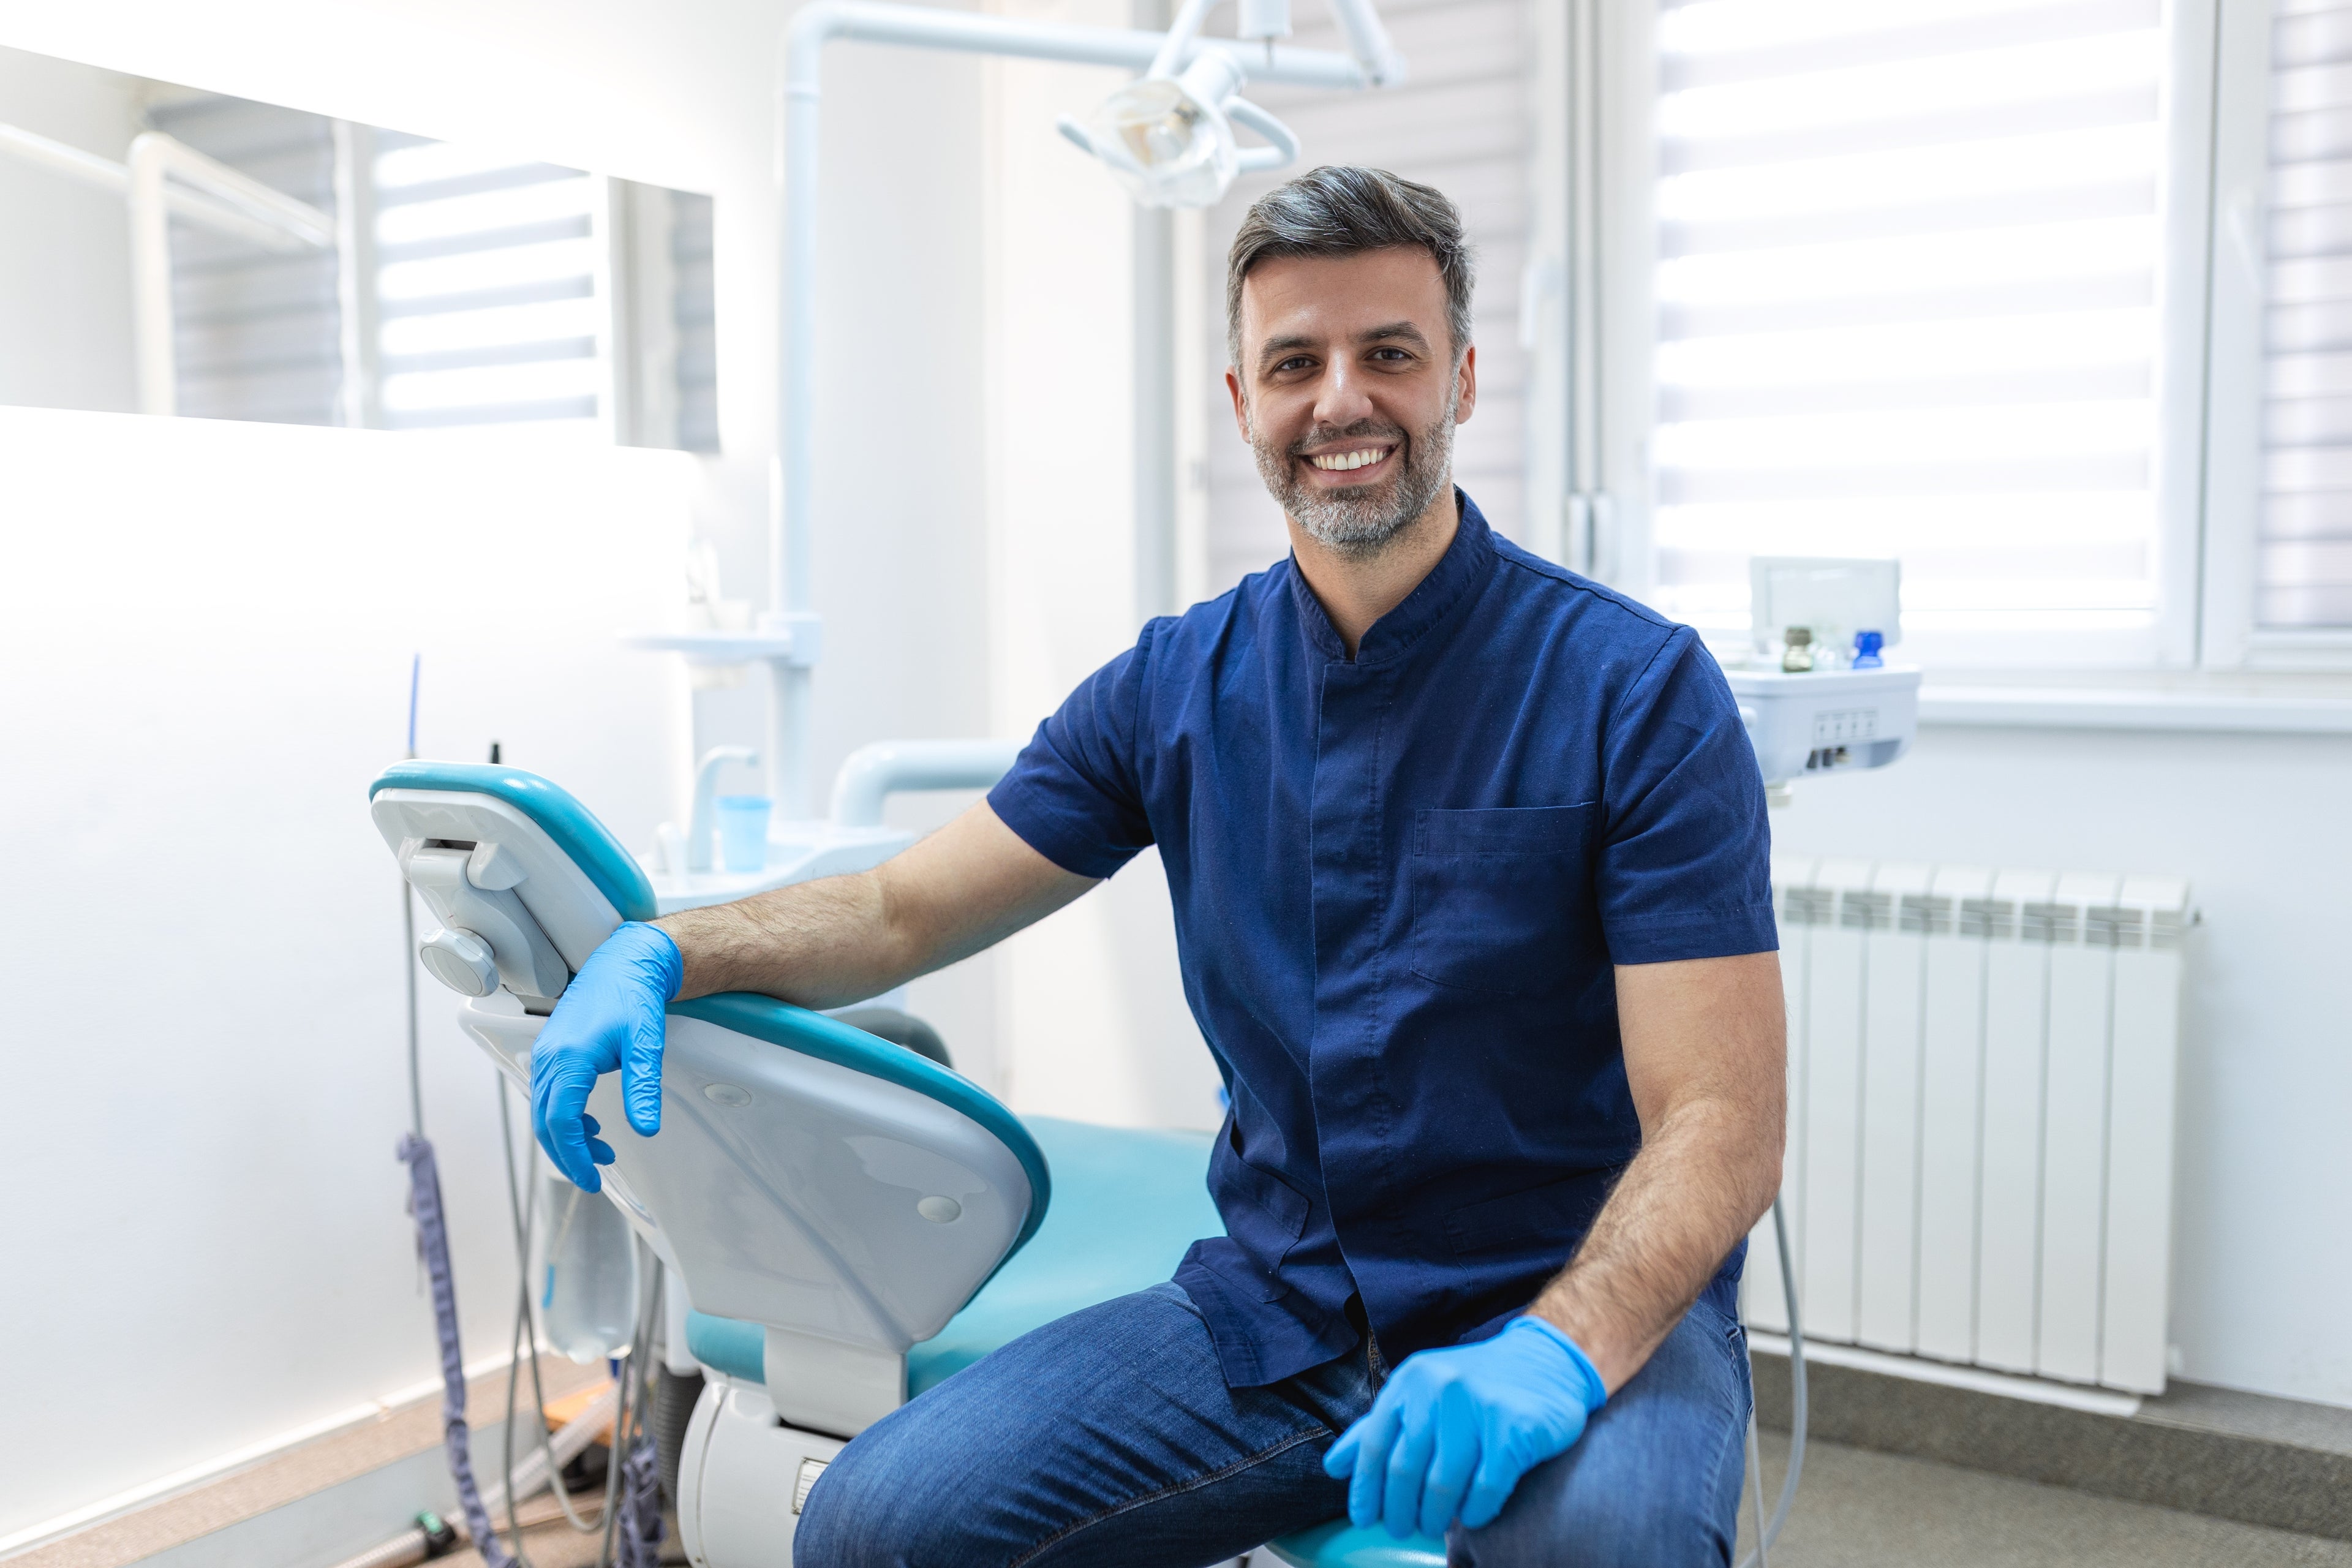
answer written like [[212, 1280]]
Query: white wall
[[2262, 1256], [1091, 1020], [233, 1252]]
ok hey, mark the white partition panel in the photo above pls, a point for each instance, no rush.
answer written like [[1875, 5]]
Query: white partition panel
[[1952, 1103], [2074, 1127], [2009, 1256], [1833, 1108], [206, 635], [2147, 928], [1893, 978]]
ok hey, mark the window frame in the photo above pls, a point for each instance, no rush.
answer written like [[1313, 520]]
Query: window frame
[[2234, 379], [2208, 452]]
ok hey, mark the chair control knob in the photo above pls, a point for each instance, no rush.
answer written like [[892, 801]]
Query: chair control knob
[[461, 960]]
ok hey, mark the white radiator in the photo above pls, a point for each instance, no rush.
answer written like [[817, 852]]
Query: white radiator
[[1981, 1072]]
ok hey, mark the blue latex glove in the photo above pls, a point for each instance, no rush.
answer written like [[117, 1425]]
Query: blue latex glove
[[1453, 1430], [609, 1017]]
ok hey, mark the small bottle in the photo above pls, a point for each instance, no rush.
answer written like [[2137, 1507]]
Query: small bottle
[[1797, 650], [1866, 650]]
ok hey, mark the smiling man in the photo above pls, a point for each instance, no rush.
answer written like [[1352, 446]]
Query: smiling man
[[1468, 860]]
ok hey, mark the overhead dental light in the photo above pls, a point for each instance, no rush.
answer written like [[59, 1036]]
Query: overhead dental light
[[1168, 137]]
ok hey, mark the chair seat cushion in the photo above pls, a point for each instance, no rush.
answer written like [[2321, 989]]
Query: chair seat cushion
[[1340, 1545], [1126, 1204]]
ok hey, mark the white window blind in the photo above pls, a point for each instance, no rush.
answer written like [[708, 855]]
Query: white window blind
[[2304, 556], [486, 283], [1907, 293], [254, 330]]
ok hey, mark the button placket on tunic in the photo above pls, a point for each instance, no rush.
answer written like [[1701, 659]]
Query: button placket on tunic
[[1401, 882]]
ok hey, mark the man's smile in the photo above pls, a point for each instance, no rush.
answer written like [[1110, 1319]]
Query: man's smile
[[1352, 459]]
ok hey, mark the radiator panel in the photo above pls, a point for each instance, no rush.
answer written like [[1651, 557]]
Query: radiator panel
[[2075, 1136], [2009, 1223], [2138, 1271], [1833, 1121], [1952, 1127], [1981, 1100], [1892, 977]]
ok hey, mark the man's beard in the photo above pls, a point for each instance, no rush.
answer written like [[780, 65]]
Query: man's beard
[[1361, 518]]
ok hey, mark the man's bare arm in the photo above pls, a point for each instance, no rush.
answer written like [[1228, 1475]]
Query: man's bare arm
[[831, 942], [1705, 1052]]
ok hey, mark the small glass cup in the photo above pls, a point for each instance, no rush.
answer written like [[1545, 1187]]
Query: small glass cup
[[743, 832]]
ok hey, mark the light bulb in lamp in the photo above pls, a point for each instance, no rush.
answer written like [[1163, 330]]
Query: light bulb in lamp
[[1170, 140]]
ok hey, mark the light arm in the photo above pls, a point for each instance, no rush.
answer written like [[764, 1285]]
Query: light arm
[[1706, 1046], [831, 942]]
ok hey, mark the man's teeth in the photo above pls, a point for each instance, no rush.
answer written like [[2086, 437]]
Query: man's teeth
[[1340, 461]]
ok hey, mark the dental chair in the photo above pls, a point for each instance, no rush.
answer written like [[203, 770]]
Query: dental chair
[[853, 1222]]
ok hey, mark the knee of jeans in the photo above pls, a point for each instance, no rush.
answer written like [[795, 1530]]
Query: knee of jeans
[[856, 1516], [1629, 1522]]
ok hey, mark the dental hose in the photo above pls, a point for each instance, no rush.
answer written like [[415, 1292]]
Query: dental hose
[[433, 1238], [1768, 1533]]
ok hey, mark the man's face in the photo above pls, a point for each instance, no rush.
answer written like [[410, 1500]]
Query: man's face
[[1348, 392]]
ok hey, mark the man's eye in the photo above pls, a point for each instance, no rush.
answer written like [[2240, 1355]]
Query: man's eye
[[1295, 362], [1393, 355]]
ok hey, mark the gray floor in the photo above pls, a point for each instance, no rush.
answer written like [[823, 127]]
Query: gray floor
[[1862, 1510]]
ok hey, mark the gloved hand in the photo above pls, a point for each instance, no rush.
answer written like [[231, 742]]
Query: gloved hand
[[609, 1016], [1474, 1416]]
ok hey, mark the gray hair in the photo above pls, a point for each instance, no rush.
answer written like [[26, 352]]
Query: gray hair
[[1339, 210]]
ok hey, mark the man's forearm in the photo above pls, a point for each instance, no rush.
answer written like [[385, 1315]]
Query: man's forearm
[[1700, 1182], [831, 942], [821, 944]]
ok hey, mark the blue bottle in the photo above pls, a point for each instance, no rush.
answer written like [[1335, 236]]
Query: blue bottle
[[1866, 650]]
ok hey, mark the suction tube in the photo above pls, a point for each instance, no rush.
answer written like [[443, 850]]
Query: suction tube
[[1771, 1529]]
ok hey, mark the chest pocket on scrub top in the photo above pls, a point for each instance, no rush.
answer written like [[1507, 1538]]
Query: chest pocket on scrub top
[[1495, 893]]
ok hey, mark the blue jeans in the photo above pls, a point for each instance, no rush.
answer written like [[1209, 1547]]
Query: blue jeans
[[1109, 1438]]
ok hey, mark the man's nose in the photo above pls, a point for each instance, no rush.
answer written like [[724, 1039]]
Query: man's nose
[[1344, 396]]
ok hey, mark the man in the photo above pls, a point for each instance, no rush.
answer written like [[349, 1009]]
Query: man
[[1467, 857]]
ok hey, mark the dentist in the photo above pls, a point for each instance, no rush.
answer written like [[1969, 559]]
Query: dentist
[[1468, 861]]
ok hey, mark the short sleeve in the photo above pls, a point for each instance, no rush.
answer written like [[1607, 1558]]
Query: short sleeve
[[1074, 795], [1684, 868]]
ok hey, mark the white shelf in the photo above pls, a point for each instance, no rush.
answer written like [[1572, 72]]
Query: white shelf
[[725, 647]]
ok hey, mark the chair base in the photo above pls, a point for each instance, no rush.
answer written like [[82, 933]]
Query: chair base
[[743, 1478]]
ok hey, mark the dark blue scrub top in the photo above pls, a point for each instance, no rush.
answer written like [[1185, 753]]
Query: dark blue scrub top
[[1401, 883]]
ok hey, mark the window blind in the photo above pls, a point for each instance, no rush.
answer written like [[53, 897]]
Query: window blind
[[1906, 303], [487, 282], [254, 330], [2304, 556]]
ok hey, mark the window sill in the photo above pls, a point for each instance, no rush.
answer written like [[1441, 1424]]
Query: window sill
[[2095, 708]]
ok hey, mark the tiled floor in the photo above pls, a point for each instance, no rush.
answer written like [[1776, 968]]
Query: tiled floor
[[1862, 1510]]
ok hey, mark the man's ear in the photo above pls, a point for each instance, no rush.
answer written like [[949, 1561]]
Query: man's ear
[[1241, 402], [1466, 385]]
